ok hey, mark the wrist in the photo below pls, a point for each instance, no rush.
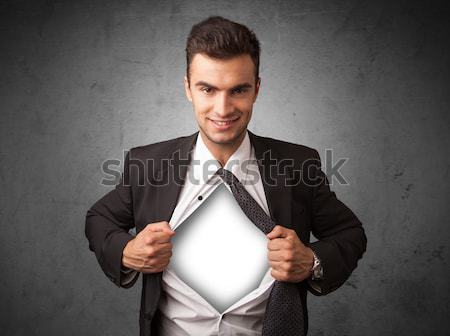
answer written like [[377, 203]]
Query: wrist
[[311, 260], [125, 265]]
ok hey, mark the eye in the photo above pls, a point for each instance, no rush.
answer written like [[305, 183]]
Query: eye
[[206, 90], [239, 91]]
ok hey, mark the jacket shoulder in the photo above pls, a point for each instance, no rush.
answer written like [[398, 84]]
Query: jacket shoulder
[[289, 149], [161, 149]]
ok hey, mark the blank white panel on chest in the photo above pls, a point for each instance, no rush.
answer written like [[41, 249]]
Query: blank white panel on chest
[[219, 252]]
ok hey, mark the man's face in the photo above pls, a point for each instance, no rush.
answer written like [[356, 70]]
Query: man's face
[[222, 93]]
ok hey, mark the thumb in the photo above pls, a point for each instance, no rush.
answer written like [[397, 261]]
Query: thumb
[[277, 232]]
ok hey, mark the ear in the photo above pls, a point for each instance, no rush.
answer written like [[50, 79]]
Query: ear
[[257, 85], [187, 89]]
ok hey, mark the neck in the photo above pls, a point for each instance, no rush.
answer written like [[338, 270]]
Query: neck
[[222, 151]]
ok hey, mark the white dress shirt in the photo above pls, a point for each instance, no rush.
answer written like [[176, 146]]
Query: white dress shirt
[[183, 310]]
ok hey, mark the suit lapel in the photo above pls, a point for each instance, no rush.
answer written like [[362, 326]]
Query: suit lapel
[[174, 175], [278, 195]]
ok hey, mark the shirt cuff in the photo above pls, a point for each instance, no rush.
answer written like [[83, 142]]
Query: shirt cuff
[[126, 275], [314, 285]]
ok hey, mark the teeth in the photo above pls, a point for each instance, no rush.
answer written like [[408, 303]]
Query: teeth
[[222, 123]]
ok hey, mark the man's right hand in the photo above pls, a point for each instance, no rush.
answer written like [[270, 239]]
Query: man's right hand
[[150, 250]]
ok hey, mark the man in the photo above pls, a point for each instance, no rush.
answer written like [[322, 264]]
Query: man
[[222, 82]]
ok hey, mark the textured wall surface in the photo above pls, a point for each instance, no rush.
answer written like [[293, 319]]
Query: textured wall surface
[[81, 81]]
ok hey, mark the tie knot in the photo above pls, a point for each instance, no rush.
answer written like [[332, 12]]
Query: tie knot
[[227, 176]]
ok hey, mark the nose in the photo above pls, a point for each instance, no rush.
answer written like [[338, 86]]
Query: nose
[[223, 105]]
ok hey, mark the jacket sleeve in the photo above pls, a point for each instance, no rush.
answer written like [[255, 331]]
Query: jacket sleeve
[[107, 224], [341, 238]]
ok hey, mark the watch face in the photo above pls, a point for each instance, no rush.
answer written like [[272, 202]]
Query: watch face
[[318, 272], [316, 261], [317, 268]]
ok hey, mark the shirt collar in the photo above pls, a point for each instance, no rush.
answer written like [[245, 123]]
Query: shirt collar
[[205, 165]]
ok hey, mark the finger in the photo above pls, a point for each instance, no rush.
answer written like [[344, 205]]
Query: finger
[[286, 268], [277, 244], [282, 255], [152, 269], [278, 275], [166, 254], [157, 266], [159, 259], [155, 251], [274, 256], [158, 237], [156, 261], [160, 226], [278, 232], [164, 248], [277, 266]]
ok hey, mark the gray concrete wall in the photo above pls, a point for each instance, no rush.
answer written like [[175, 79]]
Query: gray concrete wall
[[81, 81]]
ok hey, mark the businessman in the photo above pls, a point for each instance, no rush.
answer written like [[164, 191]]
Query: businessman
[[288, 186]]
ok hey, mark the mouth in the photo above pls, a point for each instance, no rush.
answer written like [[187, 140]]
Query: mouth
[[224, 122]]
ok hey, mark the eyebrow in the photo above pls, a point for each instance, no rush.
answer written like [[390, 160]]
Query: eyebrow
[[239, 86]]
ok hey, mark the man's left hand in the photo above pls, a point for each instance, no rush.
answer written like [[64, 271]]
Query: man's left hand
[[289, 258]]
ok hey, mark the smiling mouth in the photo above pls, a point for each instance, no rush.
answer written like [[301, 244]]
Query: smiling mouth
[[224, 122]]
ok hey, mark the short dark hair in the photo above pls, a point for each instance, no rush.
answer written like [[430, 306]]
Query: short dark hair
[[221, 38]]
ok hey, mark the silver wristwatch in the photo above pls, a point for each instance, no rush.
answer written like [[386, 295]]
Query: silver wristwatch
[[316, 270]]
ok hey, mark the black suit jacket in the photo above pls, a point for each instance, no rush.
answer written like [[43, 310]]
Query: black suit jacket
[[297, 194]]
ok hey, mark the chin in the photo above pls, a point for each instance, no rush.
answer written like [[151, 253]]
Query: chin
[[223, 138]]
